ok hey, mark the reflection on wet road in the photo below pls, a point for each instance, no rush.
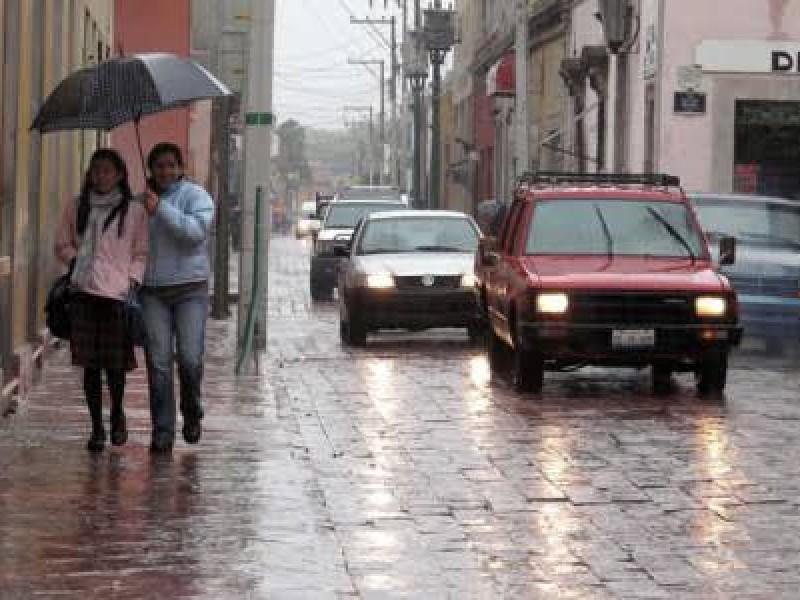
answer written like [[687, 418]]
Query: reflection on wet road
[[403, 471]]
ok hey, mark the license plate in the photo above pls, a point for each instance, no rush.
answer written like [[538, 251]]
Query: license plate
[[633, 338]]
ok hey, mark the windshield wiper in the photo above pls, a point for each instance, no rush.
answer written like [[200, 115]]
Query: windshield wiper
[[383, 251], [606, 231], [438, 249], [673, 232]]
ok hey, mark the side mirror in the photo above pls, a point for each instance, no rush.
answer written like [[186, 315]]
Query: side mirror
[[727, 251], [487, 251]]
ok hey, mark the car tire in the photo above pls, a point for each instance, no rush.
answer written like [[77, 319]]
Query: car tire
[[527, 371], [476, 333], [352, 330], [496, 351], [661, 380], [712, 375], [320, 293]]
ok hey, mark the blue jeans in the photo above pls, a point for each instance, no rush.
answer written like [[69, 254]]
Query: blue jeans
[[176, 328]]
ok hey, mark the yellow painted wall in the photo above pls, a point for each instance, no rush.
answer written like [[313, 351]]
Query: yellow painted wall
[[22, 266], [60, 155]]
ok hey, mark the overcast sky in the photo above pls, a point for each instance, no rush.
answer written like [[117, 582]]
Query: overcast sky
[[313, 41]]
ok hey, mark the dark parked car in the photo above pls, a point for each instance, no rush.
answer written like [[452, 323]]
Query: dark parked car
[[767, 271], [409, 270], [340, 219]]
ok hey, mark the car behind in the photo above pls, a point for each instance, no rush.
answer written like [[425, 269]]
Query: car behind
[[767, 271], [341, 218]]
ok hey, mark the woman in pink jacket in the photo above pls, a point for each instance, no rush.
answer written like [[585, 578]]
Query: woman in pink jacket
[[103, 237]]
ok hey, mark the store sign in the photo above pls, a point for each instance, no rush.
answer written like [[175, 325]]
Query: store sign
[[748, 56], [690, 103]]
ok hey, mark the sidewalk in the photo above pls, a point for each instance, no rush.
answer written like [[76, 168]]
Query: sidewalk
[[234, 517]]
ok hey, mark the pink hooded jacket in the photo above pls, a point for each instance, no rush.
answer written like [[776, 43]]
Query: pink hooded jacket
[[119, 259]]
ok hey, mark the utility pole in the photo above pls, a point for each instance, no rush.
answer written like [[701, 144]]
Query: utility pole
[[416, 73], [259, 121], [394, 69], [220, 145], [523, 152], [439, 36], [382, 115]]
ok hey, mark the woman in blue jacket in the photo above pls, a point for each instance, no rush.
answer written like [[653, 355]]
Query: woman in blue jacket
[[175, 295]]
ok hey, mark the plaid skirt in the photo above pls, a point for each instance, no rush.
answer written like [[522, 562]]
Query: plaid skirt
[[99, 334]]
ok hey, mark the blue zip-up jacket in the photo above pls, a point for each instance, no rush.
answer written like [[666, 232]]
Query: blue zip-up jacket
[[179, 232]]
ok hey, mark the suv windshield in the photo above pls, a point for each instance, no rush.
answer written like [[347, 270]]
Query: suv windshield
[[346, 216], [614, 228], [419, 234], [759, 223]]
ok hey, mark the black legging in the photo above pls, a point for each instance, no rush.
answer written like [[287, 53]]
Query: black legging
[[93, 388]]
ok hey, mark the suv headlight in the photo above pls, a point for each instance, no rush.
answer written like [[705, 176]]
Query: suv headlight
[[552, 303], [379, 281], [710, 306]]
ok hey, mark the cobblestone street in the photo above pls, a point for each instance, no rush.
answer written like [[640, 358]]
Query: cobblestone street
[[402, 471]]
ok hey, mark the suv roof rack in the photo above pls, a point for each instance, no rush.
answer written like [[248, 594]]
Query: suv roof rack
[[560, 178]]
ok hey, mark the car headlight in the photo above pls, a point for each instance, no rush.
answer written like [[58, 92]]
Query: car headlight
[[710, 306], [379, 281], [552, 304], [469, 281]]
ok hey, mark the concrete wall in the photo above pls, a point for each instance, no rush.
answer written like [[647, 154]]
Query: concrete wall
[[699, 148]]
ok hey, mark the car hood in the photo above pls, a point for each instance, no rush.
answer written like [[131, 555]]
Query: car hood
[[625, 273], [329, 234], [417, 263], [764, 262]]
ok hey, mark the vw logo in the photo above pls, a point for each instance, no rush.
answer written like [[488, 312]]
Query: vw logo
[[428, 280]]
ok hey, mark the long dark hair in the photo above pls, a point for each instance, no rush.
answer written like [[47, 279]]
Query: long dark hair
[[121, 209]]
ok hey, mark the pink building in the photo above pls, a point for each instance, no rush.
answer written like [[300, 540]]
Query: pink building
[[143, 27], [711, 92]]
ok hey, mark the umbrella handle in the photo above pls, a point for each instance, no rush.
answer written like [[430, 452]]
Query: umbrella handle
[[139, 145]]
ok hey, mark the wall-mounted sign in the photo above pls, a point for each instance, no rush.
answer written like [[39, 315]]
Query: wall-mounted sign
[[690, 103], [690, 77], [748, 56]]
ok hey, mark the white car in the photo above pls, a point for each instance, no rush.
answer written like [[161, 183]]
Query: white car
[[409, 270], [308, 224]]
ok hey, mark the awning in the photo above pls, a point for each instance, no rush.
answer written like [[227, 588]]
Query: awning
[[500, 80]]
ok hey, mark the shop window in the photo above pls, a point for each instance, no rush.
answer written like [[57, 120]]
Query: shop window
[[767, 148]]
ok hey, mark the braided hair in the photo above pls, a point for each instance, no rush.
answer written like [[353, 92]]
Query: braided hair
[[121, 209]]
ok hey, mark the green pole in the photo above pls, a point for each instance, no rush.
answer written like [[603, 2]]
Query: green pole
[[246, 347]]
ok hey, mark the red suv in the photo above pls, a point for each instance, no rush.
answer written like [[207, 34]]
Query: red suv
[[607, 270]]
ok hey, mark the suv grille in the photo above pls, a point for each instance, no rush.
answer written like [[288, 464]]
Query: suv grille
[[414, 282], [632, 309]]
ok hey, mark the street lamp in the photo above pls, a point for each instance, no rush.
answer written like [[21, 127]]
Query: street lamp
[[416, 71], [440, 35]]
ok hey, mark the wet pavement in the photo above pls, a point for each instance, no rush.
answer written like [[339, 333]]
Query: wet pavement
[[402, 471]]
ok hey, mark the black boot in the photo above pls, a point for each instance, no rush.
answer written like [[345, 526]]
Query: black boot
[[119, 426], [93, 387], [97, 441]]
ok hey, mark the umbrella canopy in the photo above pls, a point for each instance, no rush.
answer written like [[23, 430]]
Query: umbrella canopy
[[125, 89]]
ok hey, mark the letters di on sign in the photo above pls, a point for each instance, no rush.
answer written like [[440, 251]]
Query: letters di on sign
[[783, 61]]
